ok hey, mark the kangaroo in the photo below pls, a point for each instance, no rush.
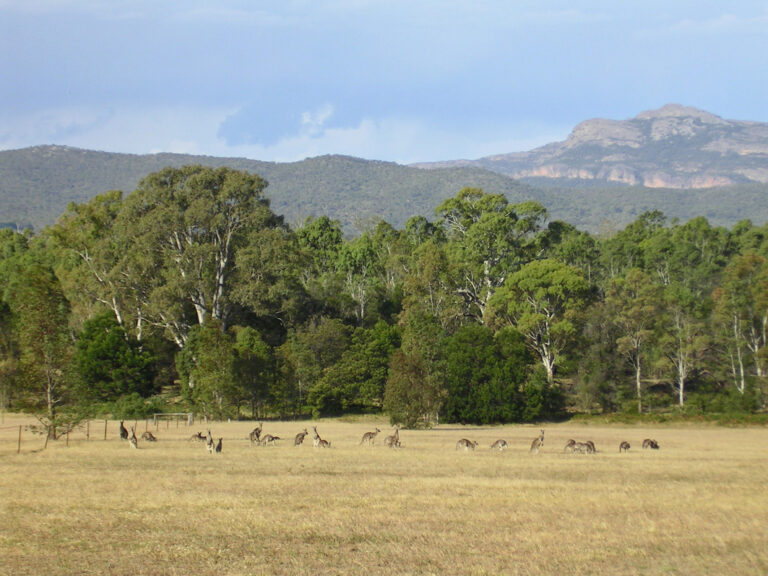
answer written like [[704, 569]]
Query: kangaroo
[[255, 435], [148, 436], [210, 446], [319, 442], [569, 446], [652, 444], [393, 440], [132, 439], [624, 446], [370, 437], [537, 444], [590, 447], [269, 440], [123, 431], [218, 446], [500, 445], [199, 437], [466, 444], [299, 439]]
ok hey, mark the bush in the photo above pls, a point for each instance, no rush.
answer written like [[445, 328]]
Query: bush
[[131, 407]]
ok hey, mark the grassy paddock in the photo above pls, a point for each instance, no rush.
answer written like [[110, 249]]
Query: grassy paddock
[[697, 506]]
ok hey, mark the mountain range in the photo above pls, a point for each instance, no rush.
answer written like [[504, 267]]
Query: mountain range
[[680, 160], [673, 147]]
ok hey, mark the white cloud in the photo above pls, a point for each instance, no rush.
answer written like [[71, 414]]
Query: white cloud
[[193, 130]]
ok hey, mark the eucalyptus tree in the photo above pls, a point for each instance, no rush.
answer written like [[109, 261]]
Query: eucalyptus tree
[[543, 301], [186, 226], [41, 318], [89, 249], [741, 312], [488, 239], [634, 303]]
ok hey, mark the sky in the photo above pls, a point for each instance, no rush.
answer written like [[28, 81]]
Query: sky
[[396, 80]]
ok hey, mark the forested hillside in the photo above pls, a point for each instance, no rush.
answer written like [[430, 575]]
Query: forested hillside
[[191, 294], [37, 184]]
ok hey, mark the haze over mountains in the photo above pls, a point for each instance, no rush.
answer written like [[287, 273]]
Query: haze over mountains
[[680, 160]]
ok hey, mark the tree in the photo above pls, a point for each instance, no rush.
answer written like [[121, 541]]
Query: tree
[[543, 301], [742, 314], [414, 392], [356, 382], [89, 250], [485, 375], [684, 338], [207, 368], [187, 225], [488, 239], [109, 363], [633, 302], [41, 315]]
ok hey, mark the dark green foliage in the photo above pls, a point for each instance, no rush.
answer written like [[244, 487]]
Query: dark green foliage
[[356, 382], [484, 376], [110, 364]]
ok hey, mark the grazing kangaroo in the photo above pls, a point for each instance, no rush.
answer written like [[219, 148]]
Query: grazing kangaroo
[[269, 440], [652, 444], [590, 447], [370, 437], [466, 444], [570, 446], [218, 446], [255, 435], [148, 436], [299, 439], [123, 431], [500, 445], [132, 439], [199, 437], [624, 446], [393, 441], [319, 442], [537, 444]]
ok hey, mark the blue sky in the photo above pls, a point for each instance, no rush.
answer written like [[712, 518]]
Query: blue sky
[[398, 80]]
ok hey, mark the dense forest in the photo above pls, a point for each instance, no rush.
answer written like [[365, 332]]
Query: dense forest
[[191, 294]]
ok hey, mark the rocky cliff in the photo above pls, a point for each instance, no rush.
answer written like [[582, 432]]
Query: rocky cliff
[[672, 147]]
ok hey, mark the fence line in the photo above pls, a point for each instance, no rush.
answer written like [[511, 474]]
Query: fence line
[[88, 427]]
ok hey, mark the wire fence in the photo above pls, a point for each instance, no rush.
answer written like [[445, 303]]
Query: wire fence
[[28, 435]]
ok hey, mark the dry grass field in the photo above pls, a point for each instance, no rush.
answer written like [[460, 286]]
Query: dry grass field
[[699, 505]]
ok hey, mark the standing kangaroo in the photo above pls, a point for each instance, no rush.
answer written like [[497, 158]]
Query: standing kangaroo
[[393, 441], [299, 439], [537, 444], [123, 431], [370, 437], [132, 439], [319, 442]]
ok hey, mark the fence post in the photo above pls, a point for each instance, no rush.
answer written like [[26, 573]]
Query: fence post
[[105, 428], [18, 449], [87, 430]]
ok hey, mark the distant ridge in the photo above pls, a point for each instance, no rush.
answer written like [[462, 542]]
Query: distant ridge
[[37, 184], [676, 147], [680, 160]]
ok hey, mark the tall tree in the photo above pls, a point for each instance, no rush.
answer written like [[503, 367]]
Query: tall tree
[[543, 301], [488, 239], [41, 316], [191, 221], [634, 303], [742, 313]]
